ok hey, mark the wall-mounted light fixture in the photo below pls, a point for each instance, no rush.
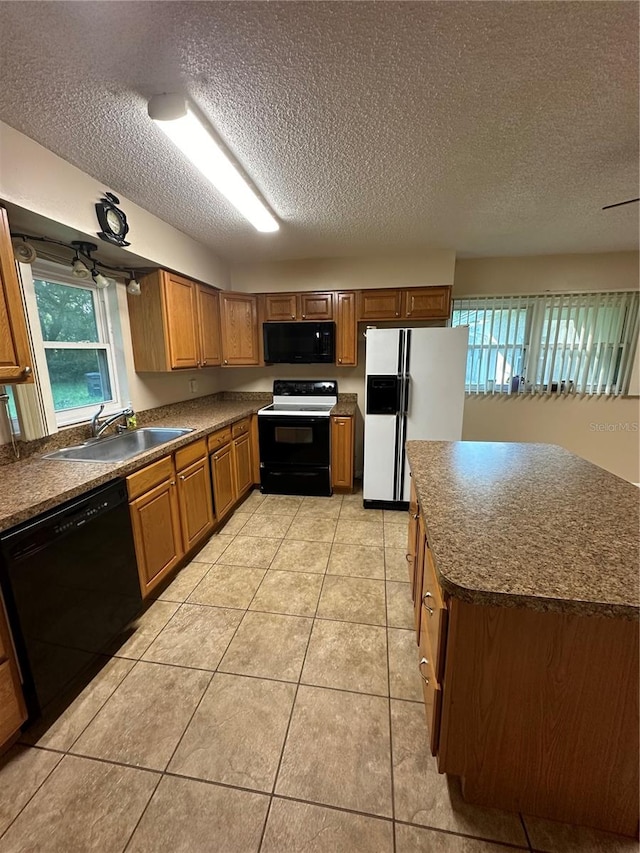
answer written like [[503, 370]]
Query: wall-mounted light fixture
[[179, 122], [134, 286], [83, 265]]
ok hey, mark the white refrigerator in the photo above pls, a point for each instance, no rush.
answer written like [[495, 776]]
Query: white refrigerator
[[414, 390]]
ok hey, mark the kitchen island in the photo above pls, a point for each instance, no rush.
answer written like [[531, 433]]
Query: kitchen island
[[524, 568]]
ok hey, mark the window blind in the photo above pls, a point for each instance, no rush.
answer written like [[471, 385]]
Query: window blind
[[571, 343]]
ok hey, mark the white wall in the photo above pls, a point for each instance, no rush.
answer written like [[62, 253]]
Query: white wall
[[42, 182]]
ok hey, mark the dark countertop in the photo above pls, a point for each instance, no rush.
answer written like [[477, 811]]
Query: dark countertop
[[33, 485], [529, 525]]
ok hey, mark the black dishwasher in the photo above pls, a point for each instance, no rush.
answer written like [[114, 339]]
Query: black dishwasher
[[70, 586]]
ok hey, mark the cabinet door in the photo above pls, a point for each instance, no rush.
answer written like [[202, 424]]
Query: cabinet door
[[255, 450], [427, 303], [316, 306], [180, 306], [242, 464], [418, 576], [379, 304], [156, 533], [196, 505], [280, 306], [224, 494], [209, 316], [15, 356], [239, 329], [346, 329], [12, 708], [342, 452], [412, 538]]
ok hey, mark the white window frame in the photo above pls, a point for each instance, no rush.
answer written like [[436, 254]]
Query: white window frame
[[108, 336]]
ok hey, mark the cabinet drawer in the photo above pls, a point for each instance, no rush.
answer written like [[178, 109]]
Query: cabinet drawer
[[434, 615], [191, 453], [432, 698], [147, 478], [219, 439], [241, 427]]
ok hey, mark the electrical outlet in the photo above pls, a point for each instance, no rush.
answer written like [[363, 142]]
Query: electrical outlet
[[193, 386]]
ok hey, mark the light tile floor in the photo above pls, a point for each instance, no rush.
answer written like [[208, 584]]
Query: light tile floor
[[268, 701]]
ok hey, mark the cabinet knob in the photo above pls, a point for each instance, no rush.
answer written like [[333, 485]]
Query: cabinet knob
[[27, 371], [182, 476], [420, 665], [225, 361], [293, 316], [397, 313], [304, 316], [172, 483], [339, 361]]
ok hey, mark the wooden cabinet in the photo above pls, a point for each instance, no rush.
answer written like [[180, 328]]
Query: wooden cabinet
[[222, 477], [243, 471], [427, 303], [174, 324], [209, 314], [413, 303], [255, 450], [155, 517], [280, 307], [412, 537], [298, 306], [315, 306], [13, 712], [342, 449], [194, 493], [346, 329], [379, 304], [15, 356], [239, 329]]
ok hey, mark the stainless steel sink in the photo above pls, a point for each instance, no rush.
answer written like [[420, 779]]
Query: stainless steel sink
[[118, 448]]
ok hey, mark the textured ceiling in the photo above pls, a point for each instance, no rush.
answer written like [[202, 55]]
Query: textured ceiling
[[490, 128]]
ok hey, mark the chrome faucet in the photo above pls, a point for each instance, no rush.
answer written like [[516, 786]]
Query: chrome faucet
[[98, 428]]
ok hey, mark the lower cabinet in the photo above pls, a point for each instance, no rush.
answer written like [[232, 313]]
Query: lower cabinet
[[243, 470], [155, 517], [194, 494], [224, 496], [342, 450], [13, 712]]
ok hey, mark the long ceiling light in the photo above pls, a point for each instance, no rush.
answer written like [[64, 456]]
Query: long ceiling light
[[173, 116]]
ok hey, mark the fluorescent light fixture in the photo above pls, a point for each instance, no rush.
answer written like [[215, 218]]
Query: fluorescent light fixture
[[173, 116]]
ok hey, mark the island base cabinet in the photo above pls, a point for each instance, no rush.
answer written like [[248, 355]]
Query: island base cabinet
[[540, 713]]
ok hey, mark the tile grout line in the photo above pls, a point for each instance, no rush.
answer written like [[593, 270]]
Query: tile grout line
[[48, 775], [295, 697], [386, 632], [525, 830]]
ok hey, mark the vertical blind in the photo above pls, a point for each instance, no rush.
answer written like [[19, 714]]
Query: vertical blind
[[573, 343]]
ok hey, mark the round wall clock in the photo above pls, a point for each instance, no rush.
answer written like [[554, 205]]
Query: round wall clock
[[112, 220]]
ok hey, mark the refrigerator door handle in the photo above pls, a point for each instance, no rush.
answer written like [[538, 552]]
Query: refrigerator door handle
[[407, 385]]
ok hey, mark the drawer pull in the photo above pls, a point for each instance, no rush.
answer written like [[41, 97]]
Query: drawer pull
[[420, 665], [424, 602]]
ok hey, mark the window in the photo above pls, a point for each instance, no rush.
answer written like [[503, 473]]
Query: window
[[72, 325], [552, 344]]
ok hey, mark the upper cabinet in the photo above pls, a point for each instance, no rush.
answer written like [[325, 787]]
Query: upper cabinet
[[346, 329], [174, 324], [15, 356], [239, 326], [282, 307], [414, 303], [427, 303]]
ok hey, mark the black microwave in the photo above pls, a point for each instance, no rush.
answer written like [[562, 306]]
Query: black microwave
[[299, 343]]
